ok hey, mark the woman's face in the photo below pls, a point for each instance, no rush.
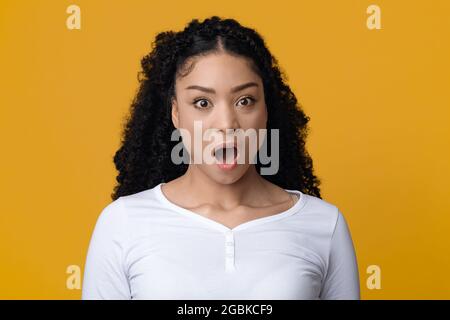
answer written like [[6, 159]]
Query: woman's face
[[220, 92]]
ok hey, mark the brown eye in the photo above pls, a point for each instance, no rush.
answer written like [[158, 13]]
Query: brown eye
[[201, 103], [247, 101]]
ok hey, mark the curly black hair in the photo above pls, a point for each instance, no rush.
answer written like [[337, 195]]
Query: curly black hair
[[144, 157]]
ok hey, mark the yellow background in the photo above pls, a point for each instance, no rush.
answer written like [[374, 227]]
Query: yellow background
[[378, 100]]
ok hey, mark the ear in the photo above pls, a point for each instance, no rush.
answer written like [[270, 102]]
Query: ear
[[175, 113]]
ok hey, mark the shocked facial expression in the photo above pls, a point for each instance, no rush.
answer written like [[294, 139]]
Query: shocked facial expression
[[222, 93]]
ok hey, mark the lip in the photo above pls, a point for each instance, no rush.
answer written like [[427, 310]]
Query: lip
[[227, 167], [229, 144]]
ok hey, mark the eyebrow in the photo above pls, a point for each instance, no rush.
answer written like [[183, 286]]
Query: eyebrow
[[233, 90]]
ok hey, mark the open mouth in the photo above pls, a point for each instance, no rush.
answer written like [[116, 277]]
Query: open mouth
[[226, 153]]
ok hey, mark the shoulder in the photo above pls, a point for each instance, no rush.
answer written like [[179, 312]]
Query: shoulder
[[140, 200], [320, 208], [111, 218], [141, 210], [116, 217], [327, 220], [320, 215]]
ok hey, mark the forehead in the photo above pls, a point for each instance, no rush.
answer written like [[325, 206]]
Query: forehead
[[218, 70]]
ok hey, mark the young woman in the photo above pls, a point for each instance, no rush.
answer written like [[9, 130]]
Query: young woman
[[223, 230]]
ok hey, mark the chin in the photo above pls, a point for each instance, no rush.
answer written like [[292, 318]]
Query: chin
[[224, 176]]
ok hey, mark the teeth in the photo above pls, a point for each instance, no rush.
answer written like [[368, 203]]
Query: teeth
[[226, 155]]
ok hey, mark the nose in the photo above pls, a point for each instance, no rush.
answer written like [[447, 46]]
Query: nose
[[225, 119]]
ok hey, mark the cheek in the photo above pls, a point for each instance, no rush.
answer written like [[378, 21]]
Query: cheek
[[256, 120], [262, 121], [193, 139], [186, 126]]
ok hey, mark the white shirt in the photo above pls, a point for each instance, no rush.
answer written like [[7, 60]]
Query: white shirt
[[146, 247]]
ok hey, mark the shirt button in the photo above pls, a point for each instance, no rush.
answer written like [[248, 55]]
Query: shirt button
[[230, 255]]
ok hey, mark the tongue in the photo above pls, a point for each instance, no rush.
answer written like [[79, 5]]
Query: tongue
[[226, 155]]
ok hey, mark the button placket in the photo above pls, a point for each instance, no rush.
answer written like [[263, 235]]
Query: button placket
[[229, 251]]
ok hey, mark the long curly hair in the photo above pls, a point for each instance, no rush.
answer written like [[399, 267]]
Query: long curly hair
[[144, 157]]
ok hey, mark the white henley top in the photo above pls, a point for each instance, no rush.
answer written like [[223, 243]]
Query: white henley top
[[145, 247]]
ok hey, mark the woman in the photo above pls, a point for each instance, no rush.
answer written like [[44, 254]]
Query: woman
[[223, 230]]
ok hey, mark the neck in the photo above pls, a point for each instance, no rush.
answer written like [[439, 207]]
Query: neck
[[250, 189]]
